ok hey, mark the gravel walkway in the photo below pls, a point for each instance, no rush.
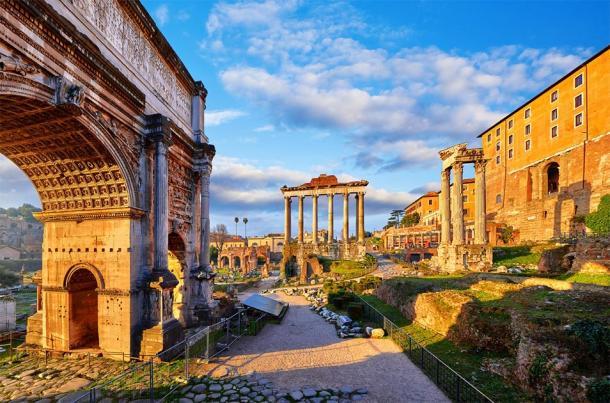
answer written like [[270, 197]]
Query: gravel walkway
[[305, 350]]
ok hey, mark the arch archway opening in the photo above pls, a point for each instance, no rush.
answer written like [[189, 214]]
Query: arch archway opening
[[83, 325], [177, 266], [236, 262], [224, 262], [552, 176]]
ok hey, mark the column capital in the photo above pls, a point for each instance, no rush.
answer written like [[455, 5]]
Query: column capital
[[479, 165], [159, 129], [458, 167]]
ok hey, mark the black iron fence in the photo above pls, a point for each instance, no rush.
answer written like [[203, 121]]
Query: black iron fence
[[155, 377], [455, 386]]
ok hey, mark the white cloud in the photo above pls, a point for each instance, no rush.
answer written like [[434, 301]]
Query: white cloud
[[183, 15], [162, 14], [265, 128], [216, 118], [246, 188], [307, 67]]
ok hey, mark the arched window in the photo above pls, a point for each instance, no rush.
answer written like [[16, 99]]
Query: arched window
[[552, 175]]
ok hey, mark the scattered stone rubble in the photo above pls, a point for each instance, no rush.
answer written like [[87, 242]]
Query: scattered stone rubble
[[256, 388], [346, 327]]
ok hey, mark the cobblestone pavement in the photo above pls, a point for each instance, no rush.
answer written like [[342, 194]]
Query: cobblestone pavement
[[388, 269], [305, 350], [33, 377]]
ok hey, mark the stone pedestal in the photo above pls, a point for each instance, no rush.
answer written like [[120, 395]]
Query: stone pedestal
[[159, 338], [34, 329], [455, 258]]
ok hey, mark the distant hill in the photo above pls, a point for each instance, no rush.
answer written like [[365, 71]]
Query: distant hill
[[24, 211]]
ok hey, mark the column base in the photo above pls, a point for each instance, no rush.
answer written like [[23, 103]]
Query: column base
[[34, 329], [454, 258], [159, 338]]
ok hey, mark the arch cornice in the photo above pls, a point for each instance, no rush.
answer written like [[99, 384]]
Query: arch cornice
[[19, 85]]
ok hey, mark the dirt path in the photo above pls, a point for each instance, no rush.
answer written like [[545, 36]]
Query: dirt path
[[305, 350]]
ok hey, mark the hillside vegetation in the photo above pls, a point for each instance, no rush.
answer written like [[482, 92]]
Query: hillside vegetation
[[544, 336]]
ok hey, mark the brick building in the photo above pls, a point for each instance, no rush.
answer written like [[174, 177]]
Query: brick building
[[549, 160]]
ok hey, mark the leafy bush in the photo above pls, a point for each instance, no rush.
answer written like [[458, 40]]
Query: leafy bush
[[355, 310], [599, 391], [599, 221], [594, 334], [8, 279]]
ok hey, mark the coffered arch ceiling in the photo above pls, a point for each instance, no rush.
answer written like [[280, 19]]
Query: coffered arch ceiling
[[71, 167]]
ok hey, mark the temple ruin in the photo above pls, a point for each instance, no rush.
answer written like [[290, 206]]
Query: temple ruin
[[453, 252], [299, 252]]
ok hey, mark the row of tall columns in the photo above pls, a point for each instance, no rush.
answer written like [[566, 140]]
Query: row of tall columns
[[452, 205], [314, 221]]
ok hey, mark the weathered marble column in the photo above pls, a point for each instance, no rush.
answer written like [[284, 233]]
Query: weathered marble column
[[287, 220], [300, 229], [361, 218], [480, 230], [445, 207], [458, 204], [346, 217], [204, 239], [331, 220], [357, 196], [314, 219], [161, 142]]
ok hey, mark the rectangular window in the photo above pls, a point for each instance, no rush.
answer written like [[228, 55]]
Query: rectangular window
[[578, 81], [510, 139], [554, 96], [429, 202], [489, 138], [578, 120], [510, 124], [510, 153], [554, 131], [528, 112], [528, 129], [497, 159], [528, 145], [464, 198], [578, 101], [498, 198], [498, 146], [498, 131], [554, 114]]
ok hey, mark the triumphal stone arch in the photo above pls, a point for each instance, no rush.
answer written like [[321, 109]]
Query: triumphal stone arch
[[105, 120]]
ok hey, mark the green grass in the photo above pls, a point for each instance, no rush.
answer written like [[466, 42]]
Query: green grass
[[348, 269], [597, 279], [515, 256], [466, 363]]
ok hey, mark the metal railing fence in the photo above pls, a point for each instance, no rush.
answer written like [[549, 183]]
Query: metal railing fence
[[455, 386], [156, 377]]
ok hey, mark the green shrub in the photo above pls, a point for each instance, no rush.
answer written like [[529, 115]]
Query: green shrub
[[599, 221], [594, 334], [355, 310], [539, 368], [599, 391]]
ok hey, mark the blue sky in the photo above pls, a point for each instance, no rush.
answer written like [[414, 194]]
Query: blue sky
[[364, 90]]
